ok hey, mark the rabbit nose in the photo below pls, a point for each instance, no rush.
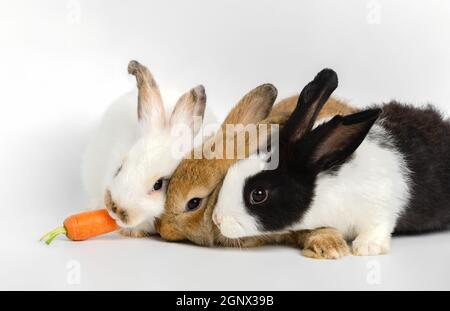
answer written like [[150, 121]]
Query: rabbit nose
[[169, 232], [111, 206], [122, 214], [118, 213]]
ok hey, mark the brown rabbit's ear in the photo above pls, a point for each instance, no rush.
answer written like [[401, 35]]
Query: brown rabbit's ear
[[151, 113], [253, 107], [189, 109]]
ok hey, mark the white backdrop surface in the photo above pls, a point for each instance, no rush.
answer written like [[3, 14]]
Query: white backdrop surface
[[63, 62]]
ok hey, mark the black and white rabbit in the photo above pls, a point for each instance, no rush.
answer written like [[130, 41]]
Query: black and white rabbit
[[370, 174]]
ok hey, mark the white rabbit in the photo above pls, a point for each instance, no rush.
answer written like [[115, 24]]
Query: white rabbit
[[135, 150]]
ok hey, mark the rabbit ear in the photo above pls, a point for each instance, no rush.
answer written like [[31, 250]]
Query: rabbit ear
[[189, 109], [267, 133], [151, 113], [248, 139], [333, 142], [253, 107], [311, 100]]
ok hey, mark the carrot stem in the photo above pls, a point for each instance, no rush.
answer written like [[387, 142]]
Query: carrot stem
[[49, 237]]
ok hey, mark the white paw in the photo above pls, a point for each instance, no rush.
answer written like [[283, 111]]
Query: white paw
[[370, 246], [233, 229]]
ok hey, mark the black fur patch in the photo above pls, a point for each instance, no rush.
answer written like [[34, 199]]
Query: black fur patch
[[291, 197], [422, 135]]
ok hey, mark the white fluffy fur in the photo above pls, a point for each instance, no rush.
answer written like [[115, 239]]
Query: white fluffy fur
[[145, 158], [110, 142], [230, 214], [363, 200]]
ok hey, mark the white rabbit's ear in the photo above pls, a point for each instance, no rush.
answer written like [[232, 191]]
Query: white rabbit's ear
[[151, 114], [189, 109]]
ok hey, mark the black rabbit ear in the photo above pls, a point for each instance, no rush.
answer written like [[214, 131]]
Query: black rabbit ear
[[333, 142], [311, 100]]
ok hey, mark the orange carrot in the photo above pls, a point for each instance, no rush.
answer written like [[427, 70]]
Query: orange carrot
[[84, 226]]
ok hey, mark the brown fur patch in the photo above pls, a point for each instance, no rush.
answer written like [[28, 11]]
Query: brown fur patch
[[322, 243], [252, 107]]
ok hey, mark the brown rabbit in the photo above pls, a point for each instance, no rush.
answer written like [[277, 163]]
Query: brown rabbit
[[193, 189]]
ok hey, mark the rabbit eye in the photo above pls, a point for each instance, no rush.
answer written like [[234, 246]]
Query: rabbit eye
[[193, 204], [259, 196], [158, 185]]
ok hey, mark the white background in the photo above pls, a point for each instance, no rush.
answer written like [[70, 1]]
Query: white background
[[63, 62]]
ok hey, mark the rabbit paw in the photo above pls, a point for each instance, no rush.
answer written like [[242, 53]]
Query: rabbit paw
[[325, 243], [370, 245], [134, 233]]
